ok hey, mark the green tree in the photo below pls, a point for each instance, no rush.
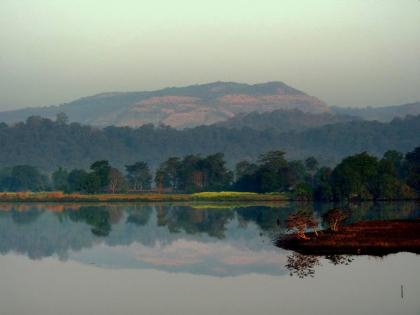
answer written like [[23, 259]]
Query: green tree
[[354, 177], [271, 175], [92, 183], [167, 175], [101, 170], [60, 179], [311, 164], [413, 169], [26, 177], [322, 183], [139, 176], [76, 180]]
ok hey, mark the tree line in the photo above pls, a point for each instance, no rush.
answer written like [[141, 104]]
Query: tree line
[[357, 177], [48, 144]]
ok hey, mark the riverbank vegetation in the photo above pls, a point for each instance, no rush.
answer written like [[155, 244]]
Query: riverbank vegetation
[[395, 176]]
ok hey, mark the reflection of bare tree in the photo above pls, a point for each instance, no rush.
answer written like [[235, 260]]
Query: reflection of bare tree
[[340, 259], [302, 265]]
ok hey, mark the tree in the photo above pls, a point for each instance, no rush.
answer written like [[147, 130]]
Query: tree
[[244, 168], [76, 180], [303, 192], [139, 176], [311, 164], [92, 183], [62, 118], [300, 222], [116, 181], [26, 177], [216, 175], [167, 175], [334, 218], [322, 183], [353, 177], [246, 177], [271, 175], [101, 170], [60, 179], [413, 168]]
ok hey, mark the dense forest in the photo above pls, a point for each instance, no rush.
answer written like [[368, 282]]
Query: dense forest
[[284, 120], [48, 144], [358, 177]]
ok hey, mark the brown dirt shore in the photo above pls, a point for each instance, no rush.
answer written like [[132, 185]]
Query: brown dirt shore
[[363, 238]]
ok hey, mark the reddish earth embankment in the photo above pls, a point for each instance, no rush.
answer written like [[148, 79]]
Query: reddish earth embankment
[[362, 238]]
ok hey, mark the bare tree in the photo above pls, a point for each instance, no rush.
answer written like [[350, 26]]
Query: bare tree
[[334, 218], [116, 180], [301, 221]]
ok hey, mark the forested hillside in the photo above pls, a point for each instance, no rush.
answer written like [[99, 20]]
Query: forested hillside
[[384, 114], [284, 120], [48, 144]]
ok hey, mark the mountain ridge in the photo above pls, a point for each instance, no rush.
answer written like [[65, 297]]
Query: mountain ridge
[[179, 107]]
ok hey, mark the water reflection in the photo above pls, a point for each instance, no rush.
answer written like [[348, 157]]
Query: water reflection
[[202, 239]]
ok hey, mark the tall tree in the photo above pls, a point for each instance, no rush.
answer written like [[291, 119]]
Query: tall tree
[[139, 176], [413, 168], [101, 170], [116, 181], [60, 179]]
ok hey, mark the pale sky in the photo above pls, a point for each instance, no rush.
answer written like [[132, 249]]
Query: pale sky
[[348, 53]]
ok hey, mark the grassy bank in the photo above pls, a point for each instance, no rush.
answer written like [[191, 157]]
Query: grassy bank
[[147, 197]]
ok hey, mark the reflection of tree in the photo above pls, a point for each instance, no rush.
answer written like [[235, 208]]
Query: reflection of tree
[[265, 217], [97, 217], [302, 265], [340, 259], [27, 216], [194, 220], [140, 216], [368, 211]]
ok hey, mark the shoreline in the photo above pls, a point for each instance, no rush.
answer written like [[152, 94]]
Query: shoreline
[[217, 197]]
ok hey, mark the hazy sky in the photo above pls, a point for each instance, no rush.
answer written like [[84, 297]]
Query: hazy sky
[[358, 52]]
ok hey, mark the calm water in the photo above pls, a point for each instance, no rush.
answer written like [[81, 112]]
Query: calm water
[[189, 259]]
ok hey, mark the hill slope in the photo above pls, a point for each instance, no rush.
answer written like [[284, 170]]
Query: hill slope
[[177, 107]]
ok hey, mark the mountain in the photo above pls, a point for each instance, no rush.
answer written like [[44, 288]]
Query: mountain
[[283, 120], [383, 114], [178, 107], [49, 144]]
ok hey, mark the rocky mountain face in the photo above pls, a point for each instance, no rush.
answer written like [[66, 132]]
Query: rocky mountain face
[[179, 107]]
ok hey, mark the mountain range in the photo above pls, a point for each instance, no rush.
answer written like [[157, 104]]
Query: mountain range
[[228, 104]]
